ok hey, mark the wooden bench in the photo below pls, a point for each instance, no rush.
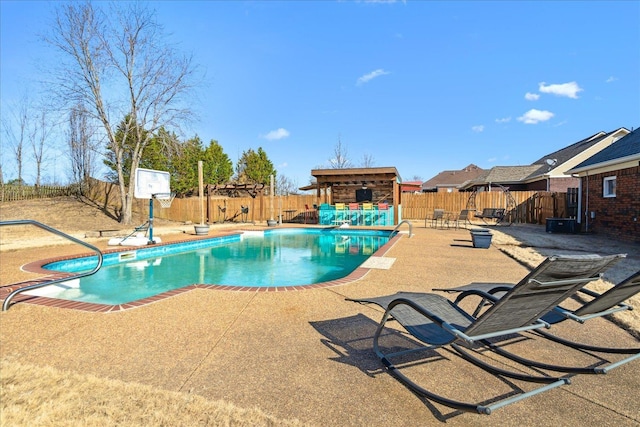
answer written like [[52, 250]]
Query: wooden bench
[[491, 213]]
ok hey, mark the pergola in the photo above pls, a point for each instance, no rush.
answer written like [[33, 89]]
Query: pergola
[[233, 190], [340, 185]]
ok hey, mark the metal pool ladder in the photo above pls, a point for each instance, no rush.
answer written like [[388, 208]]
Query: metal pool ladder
[[7, 301], [404, 221]]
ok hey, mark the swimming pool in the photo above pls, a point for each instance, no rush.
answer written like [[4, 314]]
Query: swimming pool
[[270, 259]]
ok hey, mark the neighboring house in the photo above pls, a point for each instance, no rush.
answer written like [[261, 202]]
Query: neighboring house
[[548, 173], [511, 177], [609, 196], [552, 172], [449, 181], [411, 186]]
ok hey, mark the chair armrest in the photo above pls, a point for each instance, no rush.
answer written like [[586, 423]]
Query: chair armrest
[[488, 296]]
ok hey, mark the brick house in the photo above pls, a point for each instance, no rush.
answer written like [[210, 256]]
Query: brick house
[[549, 172], [450, 181], [411, 186], [609, 190]]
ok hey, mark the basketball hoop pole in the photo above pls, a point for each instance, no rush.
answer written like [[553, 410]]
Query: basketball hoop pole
[[151, 242]]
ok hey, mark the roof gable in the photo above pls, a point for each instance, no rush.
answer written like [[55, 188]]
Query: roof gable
[[567, 157], [510, 174], [453, 178], [626, 147], [503, 175]]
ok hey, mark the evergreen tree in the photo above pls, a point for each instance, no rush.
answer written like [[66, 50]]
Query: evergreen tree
[[159, 152], [254, 167], [126, 139], [184, 172], [217, 167]]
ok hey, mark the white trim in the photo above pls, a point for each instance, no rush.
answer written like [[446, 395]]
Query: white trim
[[610, 165], [606, 194]]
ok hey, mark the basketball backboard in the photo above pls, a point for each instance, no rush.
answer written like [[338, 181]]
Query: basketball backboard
[[150, 182]]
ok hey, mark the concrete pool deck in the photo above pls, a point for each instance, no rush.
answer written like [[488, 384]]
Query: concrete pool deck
[[307, 354]]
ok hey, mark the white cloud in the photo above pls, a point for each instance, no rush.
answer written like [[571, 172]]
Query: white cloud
[[277, 134], [372, 75], [534, 116], [611, 79], [570, 90], [492, 160], [478, 128], [531, 96], [503, 120]]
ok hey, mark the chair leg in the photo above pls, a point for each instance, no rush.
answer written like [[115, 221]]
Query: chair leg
[[549, 382], [599, 369]]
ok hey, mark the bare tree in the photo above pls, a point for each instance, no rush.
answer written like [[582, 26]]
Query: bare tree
[[17, 134], [286, 185], [39, 134], [121, 65], [82, 147], [368, 161], [340, 159]]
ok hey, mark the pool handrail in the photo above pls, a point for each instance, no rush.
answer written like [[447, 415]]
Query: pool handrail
[[7, 301], [396, 229]]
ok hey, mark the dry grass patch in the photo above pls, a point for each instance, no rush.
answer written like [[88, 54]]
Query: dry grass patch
[[529, 256], [44, 396]]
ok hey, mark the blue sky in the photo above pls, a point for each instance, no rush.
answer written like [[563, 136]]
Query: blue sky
[[423, 86]]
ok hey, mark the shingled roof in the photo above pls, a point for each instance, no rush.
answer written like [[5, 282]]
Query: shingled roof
[[452, 178], [564, 155], [503, 175], [626, 148]]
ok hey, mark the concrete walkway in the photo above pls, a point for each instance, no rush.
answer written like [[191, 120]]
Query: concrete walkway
[[308, 354]]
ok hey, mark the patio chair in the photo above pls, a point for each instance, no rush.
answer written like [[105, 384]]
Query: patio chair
[[341, 214], [354, 213], [611, 301], [437, 322], [384, 216], [367, 214], [463, 218], [438, 215]]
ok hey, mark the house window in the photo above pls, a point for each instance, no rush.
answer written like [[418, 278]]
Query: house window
[[609, 187]]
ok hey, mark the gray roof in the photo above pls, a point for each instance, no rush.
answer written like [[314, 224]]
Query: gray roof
[[503, 175], [568, 153], [628, 145], [453, 178]]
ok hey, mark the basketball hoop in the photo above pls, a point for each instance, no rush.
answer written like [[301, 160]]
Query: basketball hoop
[[165, 199]]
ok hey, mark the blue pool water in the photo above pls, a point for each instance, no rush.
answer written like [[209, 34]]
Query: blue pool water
[[283, 257]]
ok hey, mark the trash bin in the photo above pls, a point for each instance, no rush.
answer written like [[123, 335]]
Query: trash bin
[[561, 225]]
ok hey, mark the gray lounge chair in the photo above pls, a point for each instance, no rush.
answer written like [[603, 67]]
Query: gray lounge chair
[[437, 321], [611, 301]]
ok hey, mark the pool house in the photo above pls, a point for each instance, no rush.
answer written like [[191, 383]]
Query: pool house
[[358, 196]]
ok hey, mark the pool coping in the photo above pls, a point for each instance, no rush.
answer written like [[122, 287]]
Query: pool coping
[[37, 267]]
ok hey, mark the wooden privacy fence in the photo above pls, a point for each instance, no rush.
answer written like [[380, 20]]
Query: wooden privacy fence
[[221, 208], [216, 208], [530, 206], [10, 193]]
